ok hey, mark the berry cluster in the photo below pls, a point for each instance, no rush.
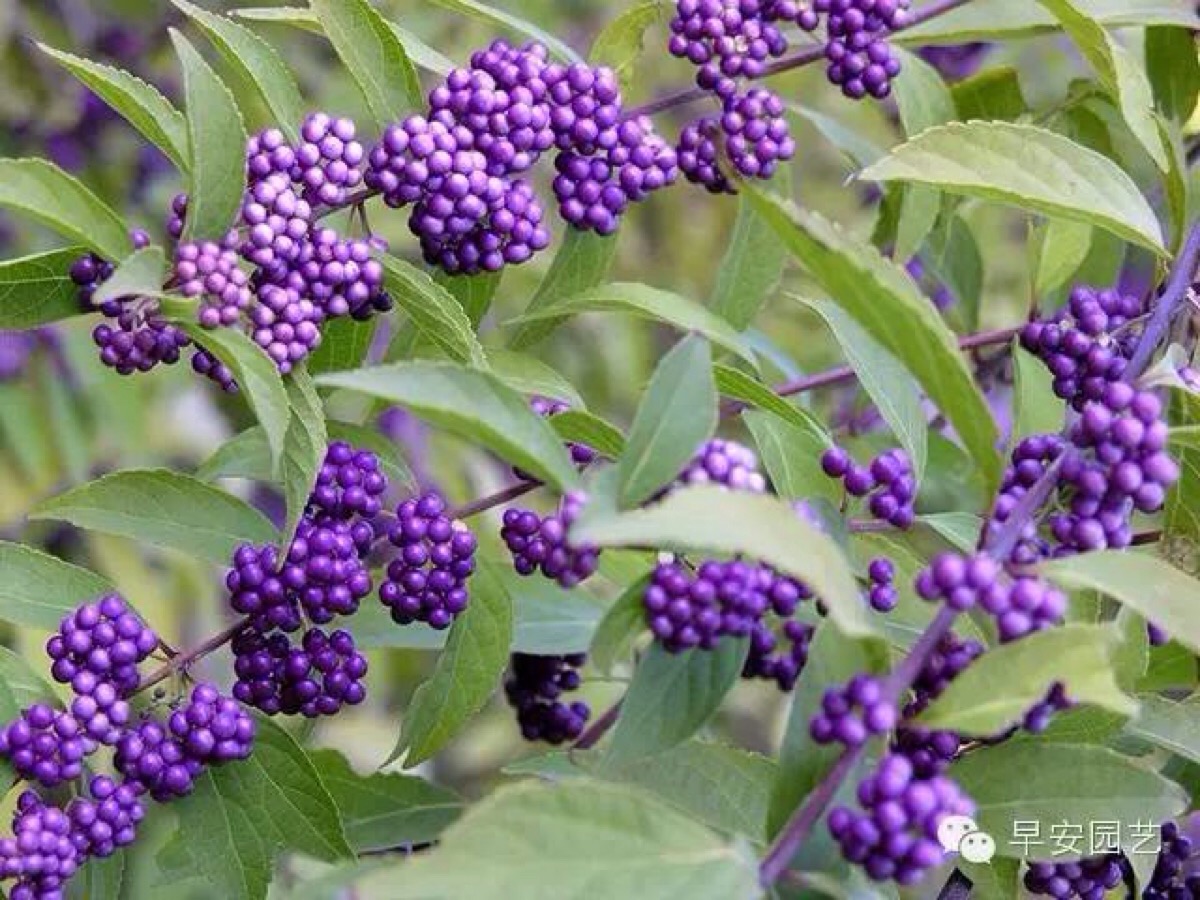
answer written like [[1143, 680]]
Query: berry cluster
[[97, 650], [1173, 876], [726, 463], [778, 657], [931, 751], [894, 836], [349, 484], [861, 61], [888, 480], [543, 543], [1088, 879], [1086, 344], [534, 688], [314, 679], [427, 581], [852, 713]]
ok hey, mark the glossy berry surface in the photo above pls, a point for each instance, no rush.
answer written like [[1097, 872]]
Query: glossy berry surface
[[427, 579]]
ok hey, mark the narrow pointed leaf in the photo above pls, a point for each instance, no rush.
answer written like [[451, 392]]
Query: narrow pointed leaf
[[304, 448], [434, 311], [494, 16], [581, 262], [753, 264]]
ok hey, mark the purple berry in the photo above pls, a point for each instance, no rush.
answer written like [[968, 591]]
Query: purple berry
[[534, 687], [543, 544]]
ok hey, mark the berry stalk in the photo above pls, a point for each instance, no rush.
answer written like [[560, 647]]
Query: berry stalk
[[1168, 305]]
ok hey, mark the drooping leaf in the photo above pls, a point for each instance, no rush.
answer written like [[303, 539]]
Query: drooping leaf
[[385, 811], [257, 60], [471, 403], [1037, 409], [1027, 167], [650, 303], [1048, 783], [833, 659], [304, 448], [256, 374], [572, 840], [883, 299], [582, 262], [546, 618], [37, 289], [217, 142], [374, 56], [345, 343], [760, 527], [494, 16], [474, 293], [621, 43], [527, 374], [623, 623], [791, 454], [584, 428], [45, 192], [433, 310], [139, 103], [677, 414], [753, 262], [672, 696], [467, 672], [896, 394], [166, 509], [1169, 724], [1174, 71], [1063, 248], [724, 787], [735, 384], [1146, 584], [242, 814], [998, 689], [1117, 70]]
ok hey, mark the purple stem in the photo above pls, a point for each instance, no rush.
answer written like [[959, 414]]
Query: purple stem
[[1168, 305]]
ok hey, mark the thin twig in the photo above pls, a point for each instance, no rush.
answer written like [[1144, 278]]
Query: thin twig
[[591, 737]]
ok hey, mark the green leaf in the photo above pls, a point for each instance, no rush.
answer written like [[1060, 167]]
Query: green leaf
[[1117, 71], [833, 659], [382, 812], [345, 342], [584, 428], [162, 508], [1150, 586], [467, 672], [470, 403], [257, 61], [881, 375], [993, 95], [761, 527], [433, 310], [217, 140], [1037, 409], [374, 56], [650, 303], [1028, 167], [418, 51], [983, 20], [142, 272], [884, 300], [724, 787], [954, 259], [1064, 247], [43, 191], [997, 689], [621, 43], [753, 264], [20, 686], [99, 879], [572, 840], [139, 103], [529, 375], [619, 630], [546, 618], [737, 385], [304, 448], [1167, 724], [1049, 783], [582, 262], [242, 814], [494, 16], [474, 293], [677, 414], [256, 374], [37, 289], [791, 455], [673, 696], [39, 589], [1174, 71]]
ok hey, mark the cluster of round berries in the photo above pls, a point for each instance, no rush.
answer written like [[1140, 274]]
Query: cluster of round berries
[[751, 132], [778, 656], [97, 650], [427, 581], [534, 688], [852, 713], [888, 480], [1086, 344], [931, 751], [724, 463], [861, 61], [894, 835], [1089, 879], [543, 543], [1174, 872], [492, 121], [882, 595], [322, 575]]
